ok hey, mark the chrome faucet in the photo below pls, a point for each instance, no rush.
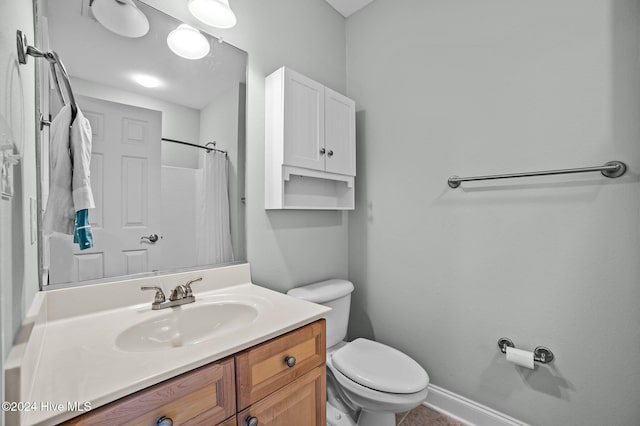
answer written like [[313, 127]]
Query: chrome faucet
[[180, 295]]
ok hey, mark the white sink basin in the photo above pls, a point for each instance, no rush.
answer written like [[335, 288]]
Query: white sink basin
[[186, 325]]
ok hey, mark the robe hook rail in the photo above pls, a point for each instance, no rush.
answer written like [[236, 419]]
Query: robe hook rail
[[612, 169]]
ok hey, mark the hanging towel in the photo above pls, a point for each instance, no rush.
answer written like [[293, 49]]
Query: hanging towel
[[83, 235], [70, 187]]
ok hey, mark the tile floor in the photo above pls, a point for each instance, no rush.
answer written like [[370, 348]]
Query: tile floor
[[424, 416]]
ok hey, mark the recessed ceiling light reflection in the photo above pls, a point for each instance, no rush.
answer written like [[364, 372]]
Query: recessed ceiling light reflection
[[147, 81]]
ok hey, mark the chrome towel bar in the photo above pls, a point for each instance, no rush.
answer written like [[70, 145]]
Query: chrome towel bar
[[612, 169]]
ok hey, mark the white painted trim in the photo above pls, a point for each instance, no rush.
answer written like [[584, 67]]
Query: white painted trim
[[465, 410]]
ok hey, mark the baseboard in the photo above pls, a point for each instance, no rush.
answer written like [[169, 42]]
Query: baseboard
[[466, 411]]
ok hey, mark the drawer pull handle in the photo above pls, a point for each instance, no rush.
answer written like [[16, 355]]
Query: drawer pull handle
[[252, 421], [290, 360], [165, 421]]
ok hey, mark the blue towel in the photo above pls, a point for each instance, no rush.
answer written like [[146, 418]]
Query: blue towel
[[82, 234]]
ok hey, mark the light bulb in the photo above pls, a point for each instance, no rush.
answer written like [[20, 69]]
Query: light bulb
[[216, 13], [187, 42], [121, 17]]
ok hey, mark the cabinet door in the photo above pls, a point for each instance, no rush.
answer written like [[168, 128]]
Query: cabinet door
[[340, 133], [303, 121], [302, 402]]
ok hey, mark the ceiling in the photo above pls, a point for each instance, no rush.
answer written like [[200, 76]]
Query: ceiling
[[91, 52], [348, 7]]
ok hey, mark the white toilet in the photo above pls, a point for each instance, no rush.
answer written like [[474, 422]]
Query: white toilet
[[367, 382]]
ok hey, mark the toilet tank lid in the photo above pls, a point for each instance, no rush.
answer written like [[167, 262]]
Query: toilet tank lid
[[323, 291]]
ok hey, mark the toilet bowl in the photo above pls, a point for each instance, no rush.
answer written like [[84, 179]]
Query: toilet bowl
[[370, 381]]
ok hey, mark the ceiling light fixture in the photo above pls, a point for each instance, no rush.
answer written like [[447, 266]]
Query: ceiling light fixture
[[216, 13], [147, 81], [187, 42], [121, 17]]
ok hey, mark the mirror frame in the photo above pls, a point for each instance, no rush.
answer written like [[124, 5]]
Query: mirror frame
[[40, 208]]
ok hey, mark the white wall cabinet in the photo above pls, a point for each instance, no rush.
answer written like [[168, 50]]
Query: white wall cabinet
[[310, 147]]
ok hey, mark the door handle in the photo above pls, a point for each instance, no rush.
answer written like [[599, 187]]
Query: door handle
[[151, 238]]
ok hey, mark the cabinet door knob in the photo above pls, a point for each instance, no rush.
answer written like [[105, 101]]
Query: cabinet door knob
[[290, 360], [252, 421], [322, 151], [330, 153], [165, 421]]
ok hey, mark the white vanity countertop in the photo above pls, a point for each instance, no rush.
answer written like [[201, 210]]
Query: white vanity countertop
[[79, 360]]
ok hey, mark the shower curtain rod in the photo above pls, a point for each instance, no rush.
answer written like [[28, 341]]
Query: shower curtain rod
[[206, 146]]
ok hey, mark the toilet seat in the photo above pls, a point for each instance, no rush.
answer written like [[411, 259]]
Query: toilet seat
[[373, 400], [379, 367]]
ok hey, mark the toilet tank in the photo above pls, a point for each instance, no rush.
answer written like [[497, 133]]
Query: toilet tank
[[336, 294]]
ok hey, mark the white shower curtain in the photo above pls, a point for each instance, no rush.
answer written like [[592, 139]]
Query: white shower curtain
[[213, 234]]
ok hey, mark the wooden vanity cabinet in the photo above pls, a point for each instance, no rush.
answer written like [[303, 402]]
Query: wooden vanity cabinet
[[279, 382], [202, 396], [302, 402], [263, 369], [283, 381]]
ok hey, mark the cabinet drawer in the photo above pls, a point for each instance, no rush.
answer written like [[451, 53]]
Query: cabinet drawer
[[202, 396], [303, 402], [263, 369]]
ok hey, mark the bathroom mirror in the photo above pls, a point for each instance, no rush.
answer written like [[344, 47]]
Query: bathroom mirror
[[162, 205]]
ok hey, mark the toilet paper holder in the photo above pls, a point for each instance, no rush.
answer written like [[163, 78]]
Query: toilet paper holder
[[541, 354]]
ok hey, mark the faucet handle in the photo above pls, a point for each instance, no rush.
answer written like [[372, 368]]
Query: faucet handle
[[159, 298], [188, 286]]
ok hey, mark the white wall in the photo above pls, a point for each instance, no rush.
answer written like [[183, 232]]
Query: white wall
[[285, 248], [178, 122], [220, 121], [18, 257], [466, 87]]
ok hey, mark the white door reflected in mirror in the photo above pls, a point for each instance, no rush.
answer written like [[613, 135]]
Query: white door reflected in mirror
[[125, 177]]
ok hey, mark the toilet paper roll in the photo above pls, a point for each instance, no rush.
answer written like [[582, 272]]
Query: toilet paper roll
[[520, 357]]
